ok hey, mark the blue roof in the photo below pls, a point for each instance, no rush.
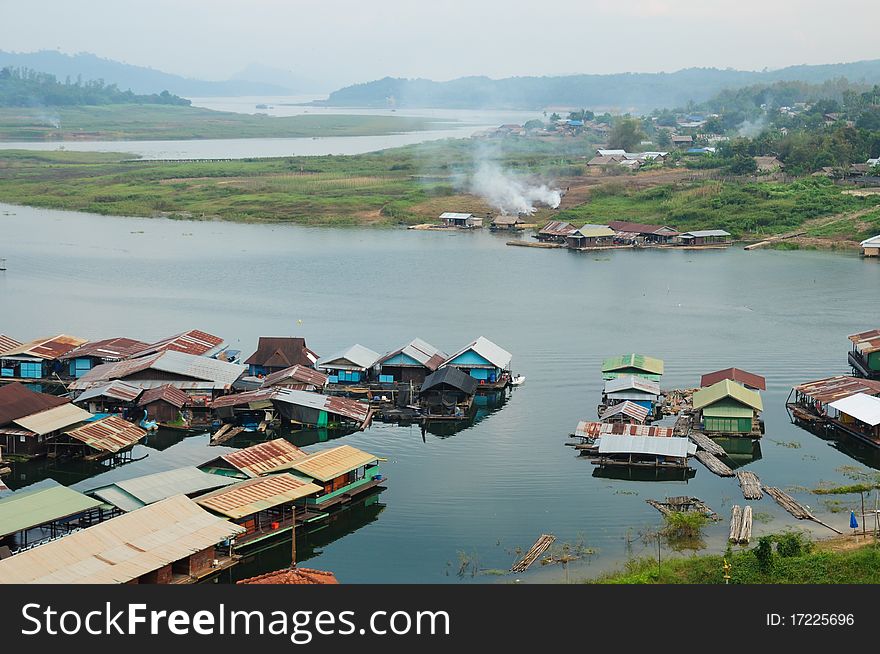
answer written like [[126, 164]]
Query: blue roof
[[576, 123]]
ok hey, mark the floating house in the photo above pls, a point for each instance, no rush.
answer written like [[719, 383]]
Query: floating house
[[748, 379], [644, 451], [727, 408], [97, 439], [352, 365], [39, 359], [486, 362], [172, 541], [447, 394], [640, 232], [297, 407], [111, 397], [637, 365], [590, 236], [864, 358], [871, 246], [555, 231], [461, 220], [859, 415], [275, 354], [626, 412], [265, 506], [133, 494], [194, 342], [29, 420], [591, 433], [257, 460], [809, 402], [8, 343], [704, 237], [85, 357], [411, 363], [507, 222], [31, 516], [644, 392], [164, 404], [298, 378], [343, 472]]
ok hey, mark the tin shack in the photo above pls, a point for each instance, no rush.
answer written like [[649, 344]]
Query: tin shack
[[864, 357], [411, 363], [485, 361], [353, 365]]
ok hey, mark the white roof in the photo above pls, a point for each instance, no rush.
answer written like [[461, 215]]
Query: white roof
[[497, 356], [632, 382], [873, 162], [874, 240], [450, 215], [706, 232], [419, 350], [608, 153], [200, 367], [53, 419], [860, 406], [360, 356], [663, 446]]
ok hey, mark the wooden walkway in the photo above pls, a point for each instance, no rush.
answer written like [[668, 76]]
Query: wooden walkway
[[541, 545], [227, 432], [713, 464], [794, 507], [740, 525], [750, 485], [703, 442]]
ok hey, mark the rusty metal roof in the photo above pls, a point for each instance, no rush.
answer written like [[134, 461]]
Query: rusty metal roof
[[8, 343], [297, 374], [187, 366], [264, 458], [341, 406], [734, 374], [586, 429], [867, 342], [110, 434], [641, 228], [835, 388], [254, 495], [191, 342], [329, 464], [166, 393], [117, 390], [293, 576], [278, 351], [631, 409], [110, 349], [557, 228], [18, 401], [51, 347]]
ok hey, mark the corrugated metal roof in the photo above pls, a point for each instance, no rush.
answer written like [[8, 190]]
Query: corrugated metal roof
[[111, 349], [122, 549], [835, 388], [594, 231], [557, 228], [452, 377], [735, 374], [871, 242], [282, 351], [587, 429], [167, 393], [265, 458], [724, 389], [194, 342], [862, 407], [342, 406], [51, 347], [117, 390], [110, 434], [497, 356], [641, 228], [631, 409], [173, 362], [18, 401], [51, 420], [672, 446], [293, 577], [132, 494], [451, 215], [633, 382], [254, 495], [29, 508], [425, 353], [637, 361], [8, 343], [356, 356], [867, 342], [700, 233], [331, 463], [299, 374]]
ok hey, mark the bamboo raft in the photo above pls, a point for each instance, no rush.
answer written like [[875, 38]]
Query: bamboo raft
[[713, 464], [541, 545], [226, 432], [750, 485], [740, 525], [705, 443], [794, 507], [683, 504]]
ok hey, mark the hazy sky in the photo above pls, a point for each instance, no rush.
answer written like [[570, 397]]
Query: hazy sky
[[346, 41]]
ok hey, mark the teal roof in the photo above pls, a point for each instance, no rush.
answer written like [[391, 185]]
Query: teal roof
[[27, 509]]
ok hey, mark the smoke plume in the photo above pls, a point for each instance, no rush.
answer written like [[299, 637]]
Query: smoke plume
[[508, 194]]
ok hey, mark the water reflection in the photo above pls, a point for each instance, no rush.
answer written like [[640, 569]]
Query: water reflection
[[740, 451], [485, 404], [846, 444]]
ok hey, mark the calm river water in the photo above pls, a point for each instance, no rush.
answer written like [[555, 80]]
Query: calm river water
[[478, 494]]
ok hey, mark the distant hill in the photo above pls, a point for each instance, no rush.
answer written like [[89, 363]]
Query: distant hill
[[637, 92], [138, 79]]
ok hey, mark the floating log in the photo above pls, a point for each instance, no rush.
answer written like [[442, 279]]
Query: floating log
[[713, 464], [735, 523], [750, 485], [745, 532], [705, 443], [529, 244], [683, 504], [541, 545], [794, 507], [227, 432]]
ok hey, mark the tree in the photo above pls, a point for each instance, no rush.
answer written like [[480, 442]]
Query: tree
[[554, 117], [663, 139], [534, 124], [626, 134], [743, 165]]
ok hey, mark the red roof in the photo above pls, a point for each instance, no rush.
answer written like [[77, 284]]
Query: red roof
[[18, 401], [282, 352], [167, 393], [734, 374], [641, 228], [293, 576], [191, 342], [111, 349], [301, 374]]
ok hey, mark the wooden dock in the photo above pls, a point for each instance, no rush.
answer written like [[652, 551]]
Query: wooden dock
[[541, 545], [794, 507], [740, 525], [750, 485], [226, 432], [703, 442], [713, 464]]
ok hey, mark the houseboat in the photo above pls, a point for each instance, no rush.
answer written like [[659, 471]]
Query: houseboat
[[133, 494], [486, 362], [80, 360], [166, 406], [108, 437], [638, 365], [590, 237], [728, 409], [748, 379], [644, 392], [297, 378], [353, 365], [644, 451], [410, 364], [30, 420], [808, 403], [255, 461], [642, 234], [447, 394], [704, 238], [864, 357], [460, 220], [555, 231], [194, 341], [871, 247], [625, 412], [344, 473], [859, 416], [590, 433], [110, 397], [38, 360], [275, 354]]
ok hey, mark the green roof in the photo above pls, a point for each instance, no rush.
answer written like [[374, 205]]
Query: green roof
[[637, 361], [595, 231], [727, 389], [27, 509]]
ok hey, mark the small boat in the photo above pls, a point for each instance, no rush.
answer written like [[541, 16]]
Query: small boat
[[518, 380]]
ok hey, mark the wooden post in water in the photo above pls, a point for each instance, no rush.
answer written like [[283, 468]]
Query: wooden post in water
[[293, 537]]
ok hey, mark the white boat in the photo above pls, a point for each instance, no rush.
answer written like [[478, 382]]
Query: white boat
[[518, 380]]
